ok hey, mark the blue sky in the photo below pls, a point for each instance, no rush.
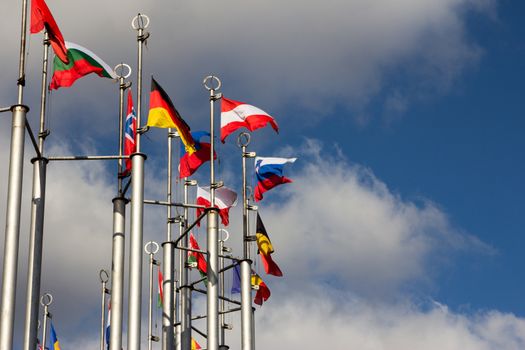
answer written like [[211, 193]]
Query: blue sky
[[407, 121]]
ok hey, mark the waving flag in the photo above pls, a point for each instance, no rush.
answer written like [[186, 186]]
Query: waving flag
[[263, 292], [160, 279], [266, 249], [42, 18], [189, 163], [269, 173], [235, 115], [108, 326], [236, 279], [197, 257], [81, 63], [162, 114], [53, 338], [130, 133], [225, 198]]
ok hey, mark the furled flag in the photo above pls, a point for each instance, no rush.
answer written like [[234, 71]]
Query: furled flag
[[42, 18], [130, 132], [160, 279], [263, 292], [269, 173], [236, 279], [225, 198], [189, 163], [162, 114], [53, 339], [195, 345], [266, 249], [108, 326], [81, 63], [197, 257], [235, 115]]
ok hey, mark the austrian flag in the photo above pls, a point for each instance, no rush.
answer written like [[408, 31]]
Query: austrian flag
[[235, 115]]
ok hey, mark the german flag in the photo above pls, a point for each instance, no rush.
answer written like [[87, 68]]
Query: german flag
[[162, 114], [266, 249]]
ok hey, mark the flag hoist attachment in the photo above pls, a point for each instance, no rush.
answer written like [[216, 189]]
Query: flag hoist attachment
[[139, 23], [104, 278]]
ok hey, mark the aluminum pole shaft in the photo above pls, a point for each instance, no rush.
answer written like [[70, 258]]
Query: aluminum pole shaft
[[185, 290], [117, 272], [44, 328], [150, 301], [14, 194], [137, 218], [168, 265], [102, 313], [36, 231], [222, 339]]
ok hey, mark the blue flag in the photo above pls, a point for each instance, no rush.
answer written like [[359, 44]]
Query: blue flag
[[236, 281]]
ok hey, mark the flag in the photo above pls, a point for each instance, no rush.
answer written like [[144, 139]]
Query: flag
[[108, 326], [189, 163], [266, 249], [162, 114], [53, 339], [130, 132], [42, 18], [160, 299], [81, 63], [197, 256], [269, 174], [263, 292], [235, 115], [236, 279], [195, 345], [225, 198]]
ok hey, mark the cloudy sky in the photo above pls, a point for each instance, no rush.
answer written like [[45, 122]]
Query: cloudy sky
[[403, 228]]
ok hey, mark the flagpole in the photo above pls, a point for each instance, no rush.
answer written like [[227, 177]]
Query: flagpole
[[137, 205], [104, 278], [224, 326], [14, 196], [119, 229], [213, 229], [168, 261], [36, 231], [185, 289], [45, 300], [247, 336], [151, 248]]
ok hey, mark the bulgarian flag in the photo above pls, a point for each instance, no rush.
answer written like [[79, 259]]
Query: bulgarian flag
[[81, 62]]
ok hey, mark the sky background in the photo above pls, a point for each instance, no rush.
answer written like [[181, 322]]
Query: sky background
[[403, 228]]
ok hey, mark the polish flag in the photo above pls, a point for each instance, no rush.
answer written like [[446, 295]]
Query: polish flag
[[235, 115], [225, 198]]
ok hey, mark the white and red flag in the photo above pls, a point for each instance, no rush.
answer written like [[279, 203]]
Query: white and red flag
[[235, 115], [225, 198]]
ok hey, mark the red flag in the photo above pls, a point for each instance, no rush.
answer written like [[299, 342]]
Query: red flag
[[263, 292], [197, 256], [41, 17]]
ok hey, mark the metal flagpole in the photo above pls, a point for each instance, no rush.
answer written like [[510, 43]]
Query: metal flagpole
[[223, 249], [119, 228], [185, 289], [104, 278], [168, 249], [247, 340], [45, 300], [36, 231], [213, 228], [14, 194], [139, 23], [151, 248]]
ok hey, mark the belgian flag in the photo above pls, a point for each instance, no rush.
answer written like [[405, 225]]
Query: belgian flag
[[266, 249], [162, 114]]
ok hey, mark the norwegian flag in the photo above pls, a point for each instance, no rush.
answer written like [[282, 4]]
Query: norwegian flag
[[130, 132]]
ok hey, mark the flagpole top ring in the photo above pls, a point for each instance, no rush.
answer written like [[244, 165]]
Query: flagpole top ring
[[211, 80], [227, 235], [122, 67], [138, 22], [151, 248], [46, 299], [243, 139], [103, 275]]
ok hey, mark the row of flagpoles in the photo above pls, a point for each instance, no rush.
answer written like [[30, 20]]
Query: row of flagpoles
[[73, 61]]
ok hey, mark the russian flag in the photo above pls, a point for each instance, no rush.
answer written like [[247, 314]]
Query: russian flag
[[130, 131], [235, 115], [269, 173], [189, 163]]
